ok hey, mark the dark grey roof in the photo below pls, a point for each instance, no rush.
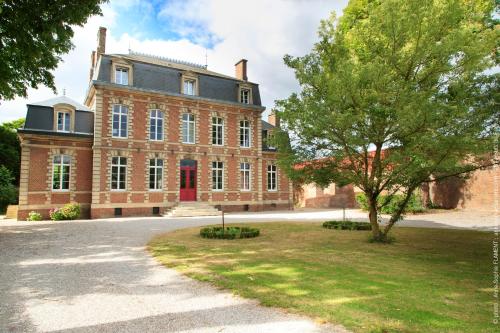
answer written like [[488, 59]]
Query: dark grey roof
[[43, 132], [157, 74], [266, 126], [41, 118]]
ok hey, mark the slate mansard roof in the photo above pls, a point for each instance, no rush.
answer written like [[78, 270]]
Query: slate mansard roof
[[163, 75], [40, 118]]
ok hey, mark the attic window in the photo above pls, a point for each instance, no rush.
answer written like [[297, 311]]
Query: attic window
[[245, 96], [121, 75], [189, 87], [63, 121]]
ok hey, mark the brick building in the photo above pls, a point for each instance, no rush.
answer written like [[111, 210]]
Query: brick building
[[152, 133]]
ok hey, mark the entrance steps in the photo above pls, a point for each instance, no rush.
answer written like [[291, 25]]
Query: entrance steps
[[186, 209]]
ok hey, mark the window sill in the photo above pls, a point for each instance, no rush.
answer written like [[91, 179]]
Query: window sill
[[119, 137], [188, 143], [60, 191], [152, 140], [159, 190], [272, 190], [217, 190], [124, 190]]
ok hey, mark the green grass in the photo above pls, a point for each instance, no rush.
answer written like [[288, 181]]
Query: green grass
[[429, 280]]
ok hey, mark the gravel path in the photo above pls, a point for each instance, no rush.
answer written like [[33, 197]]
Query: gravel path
[[95, 276]]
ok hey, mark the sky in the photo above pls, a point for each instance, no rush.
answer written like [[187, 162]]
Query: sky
[[220, 32]]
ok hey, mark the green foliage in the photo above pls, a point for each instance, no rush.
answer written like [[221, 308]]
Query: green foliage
[[34, 216], [68, 212], [10, 148], [346, 225], [229, 232], [33, 36], [393, 93], [8, 192], [390, 205]]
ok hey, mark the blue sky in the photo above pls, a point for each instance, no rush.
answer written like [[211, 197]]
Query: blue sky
[[225, 31]]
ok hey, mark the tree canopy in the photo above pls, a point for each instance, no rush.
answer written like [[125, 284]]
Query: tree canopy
[[33, 36], [10, 149], [395, 93]]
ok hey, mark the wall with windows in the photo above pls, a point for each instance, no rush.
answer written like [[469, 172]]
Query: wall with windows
[[54, 171]]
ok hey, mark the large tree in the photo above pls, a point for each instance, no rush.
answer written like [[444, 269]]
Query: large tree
[[10, 148], [33, 36], [395, 93]]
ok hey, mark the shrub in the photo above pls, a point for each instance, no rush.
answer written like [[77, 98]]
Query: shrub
[[229, 232], [8, 192], [346, 225], [68, 212], [34, 216], [414, 204]]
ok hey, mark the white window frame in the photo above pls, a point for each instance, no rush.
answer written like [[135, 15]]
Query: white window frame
[[118, 109], [245, 169], [155, 116], [218, 175], [245, 131], [66, 116], [186, 124], [189, 87], [272, 174], [158, 171], [118, 165], [61, 164], [245, 95], [217, 129], [121, 75]]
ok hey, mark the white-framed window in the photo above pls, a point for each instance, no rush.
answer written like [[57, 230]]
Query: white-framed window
[[217, 131], [120, 121], [217, 176], [188, 128], [155, 174], [272, 174], [118, 173], [63, 121], [60, 172], [189, 87], [245, 96], [156, 125], [244, 133], [121, 75], [245, 176]]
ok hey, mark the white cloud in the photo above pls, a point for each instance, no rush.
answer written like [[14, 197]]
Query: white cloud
[[261, 31]]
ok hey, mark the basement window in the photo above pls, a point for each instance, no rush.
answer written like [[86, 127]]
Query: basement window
[[118, 212]]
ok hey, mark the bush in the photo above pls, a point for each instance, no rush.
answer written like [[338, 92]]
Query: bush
[[34, 216], [8, 192], [347, 225], [414, 204], [68, 212], [229, 232]]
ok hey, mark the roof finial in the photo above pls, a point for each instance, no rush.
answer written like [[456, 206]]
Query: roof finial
[[206, 58], [64, 91]]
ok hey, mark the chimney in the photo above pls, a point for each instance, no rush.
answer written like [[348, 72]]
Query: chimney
[[241, 70], [273, 119], [101, 41]]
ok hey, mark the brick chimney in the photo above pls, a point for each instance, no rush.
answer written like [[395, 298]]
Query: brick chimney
[[101, 41], [273, 119], [241, 70]]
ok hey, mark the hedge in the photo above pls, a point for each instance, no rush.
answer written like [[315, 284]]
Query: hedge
[[229, 232], [347, 225], [414, 204]]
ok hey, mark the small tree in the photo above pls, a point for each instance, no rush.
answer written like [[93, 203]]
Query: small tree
[[33, 36], [396, 93]]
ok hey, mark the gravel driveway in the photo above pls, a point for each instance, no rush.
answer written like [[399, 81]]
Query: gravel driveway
[[95, 276]]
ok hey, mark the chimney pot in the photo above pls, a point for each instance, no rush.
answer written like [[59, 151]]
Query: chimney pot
[[241, 70], [273, 119], [101, 41]]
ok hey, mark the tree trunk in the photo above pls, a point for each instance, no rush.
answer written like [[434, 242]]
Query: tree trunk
[[373, 216]]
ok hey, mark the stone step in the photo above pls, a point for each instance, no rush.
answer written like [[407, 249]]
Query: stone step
[[193, 209]]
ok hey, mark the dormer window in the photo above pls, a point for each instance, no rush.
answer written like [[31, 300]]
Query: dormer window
[[121, 75], [245, 96], [63, 121], [189, 87]]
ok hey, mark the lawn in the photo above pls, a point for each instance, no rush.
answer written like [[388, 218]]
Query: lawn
[[429, 280]]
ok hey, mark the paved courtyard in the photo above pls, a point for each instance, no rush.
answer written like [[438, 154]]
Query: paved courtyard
[[95, 276]]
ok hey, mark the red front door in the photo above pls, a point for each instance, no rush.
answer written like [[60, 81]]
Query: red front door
[[188, 180]]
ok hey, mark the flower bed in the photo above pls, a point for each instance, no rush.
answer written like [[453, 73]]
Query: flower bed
[[229, 232]]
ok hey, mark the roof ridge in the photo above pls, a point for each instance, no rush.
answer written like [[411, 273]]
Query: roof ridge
[[177, 61]]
